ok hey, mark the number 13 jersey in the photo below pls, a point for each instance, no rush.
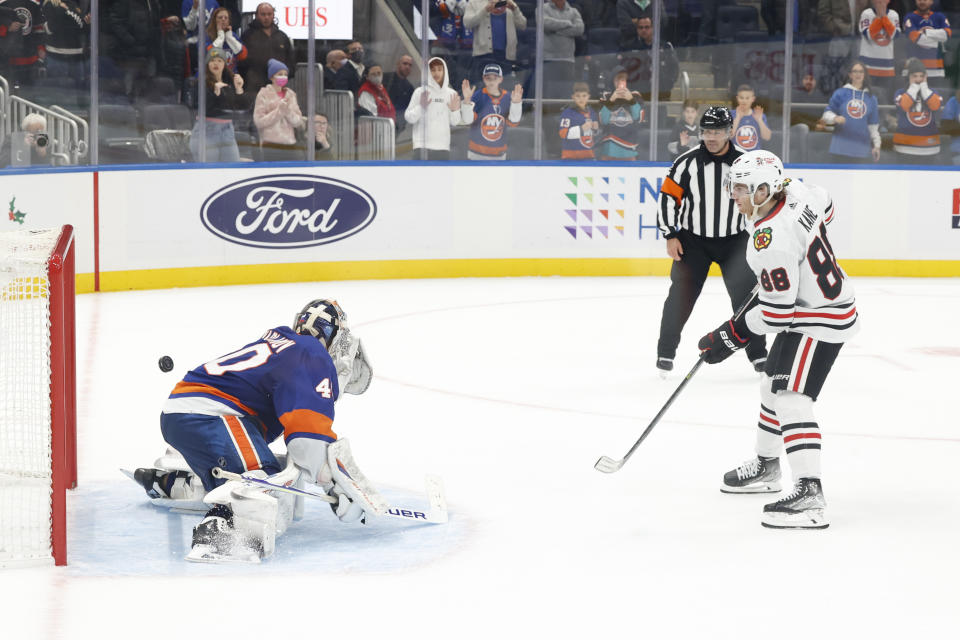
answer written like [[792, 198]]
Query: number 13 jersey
[[802, 287]]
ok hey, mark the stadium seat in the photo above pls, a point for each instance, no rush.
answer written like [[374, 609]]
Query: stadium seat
[[602, 40], [167, 116], [738, 23]]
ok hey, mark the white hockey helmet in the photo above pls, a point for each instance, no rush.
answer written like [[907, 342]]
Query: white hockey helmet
[[754, 169], [323, 319]]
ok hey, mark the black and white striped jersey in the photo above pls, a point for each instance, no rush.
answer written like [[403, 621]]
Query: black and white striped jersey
[[693, 196], [802, 287]]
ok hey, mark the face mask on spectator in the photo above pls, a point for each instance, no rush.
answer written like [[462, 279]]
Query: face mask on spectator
[[377, 79], [357, 56], [281, 81]]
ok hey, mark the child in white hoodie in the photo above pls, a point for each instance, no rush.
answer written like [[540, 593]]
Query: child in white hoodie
[[433, 109]]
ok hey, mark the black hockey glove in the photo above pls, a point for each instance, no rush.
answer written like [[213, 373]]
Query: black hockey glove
[[719, 344]]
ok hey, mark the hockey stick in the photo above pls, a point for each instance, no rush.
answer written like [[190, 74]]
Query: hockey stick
[[608, 465], [436, 515]]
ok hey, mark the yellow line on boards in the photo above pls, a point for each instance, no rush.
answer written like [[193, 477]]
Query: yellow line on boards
[[453, 268]]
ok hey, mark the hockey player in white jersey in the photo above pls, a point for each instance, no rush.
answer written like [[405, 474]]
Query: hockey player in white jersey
[[807, 300]]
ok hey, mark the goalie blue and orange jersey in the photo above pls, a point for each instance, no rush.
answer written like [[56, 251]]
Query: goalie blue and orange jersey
[[285, 380]]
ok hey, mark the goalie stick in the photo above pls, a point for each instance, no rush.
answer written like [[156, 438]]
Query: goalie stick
[[608, 465], [437, 514]]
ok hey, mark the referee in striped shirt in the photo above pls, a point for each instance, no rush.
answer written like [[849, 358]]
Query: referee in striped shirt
[[702, 225]]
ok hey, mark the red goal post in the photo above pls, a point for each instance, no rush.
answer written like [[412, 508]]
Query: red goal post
[[38, 451]]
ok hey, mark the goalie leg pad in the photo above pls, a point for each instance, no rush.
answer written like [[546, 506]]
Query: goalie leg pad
[[259, 514], [233, 443]]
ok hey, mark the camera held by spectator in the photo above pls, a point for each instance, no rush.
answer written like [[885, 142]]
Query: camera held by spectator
[[31, 145]]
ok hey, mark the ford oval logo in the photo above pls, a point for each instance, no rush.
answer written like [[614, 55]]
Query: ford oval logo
[[287, 211]]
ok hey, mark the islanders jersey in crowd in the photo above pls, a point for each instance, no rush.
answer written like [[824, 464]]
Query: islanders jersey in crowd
[[747, 134], [577, 134], [490, 117], [918, 132], [927, 45], [286, 381], [860, 110], [802, 288], [876, 42], [621, 128]]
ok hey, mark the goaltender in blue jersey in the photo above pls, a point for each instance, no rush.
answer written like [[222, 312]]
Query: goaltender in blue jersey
[[224, 413]]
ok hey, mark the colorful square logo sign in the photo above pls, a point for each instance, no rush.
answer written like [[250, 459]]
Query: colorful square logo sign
[[594, 208], [956, 209]]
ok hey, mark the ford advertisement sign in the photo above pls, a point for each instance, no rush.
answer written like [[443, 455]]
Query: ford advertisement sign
[[287, 211]]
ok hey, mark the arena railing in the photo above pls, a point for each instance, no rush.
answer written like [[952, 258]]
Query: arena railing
[[63, 130], [376, 138], [338, 106]]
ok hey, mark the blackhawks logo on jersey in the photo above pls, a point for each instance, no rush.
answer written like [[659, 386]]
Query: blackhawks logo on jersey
[[762, 238]]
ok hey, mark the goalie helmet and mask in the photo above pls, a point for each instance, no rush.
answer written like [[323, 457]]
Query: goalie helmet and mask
[[753, 170], [326, 321]]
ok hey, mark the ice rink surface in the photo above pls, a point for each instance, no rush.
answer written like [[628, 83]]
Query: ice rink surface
[[510, 389]]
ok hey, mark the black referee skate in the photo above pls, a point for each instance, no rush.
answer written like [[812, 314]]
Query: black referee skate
[[804, 508], [760, 475]]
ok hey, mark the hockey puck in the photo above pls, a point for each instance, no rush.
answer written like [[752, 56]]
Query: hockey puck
[[165, 364]]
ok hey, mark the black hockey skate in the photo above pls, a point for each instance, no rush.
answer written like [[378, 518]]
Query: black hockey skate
[[664, 366], [215, 540], [804, 508], [760, 475]]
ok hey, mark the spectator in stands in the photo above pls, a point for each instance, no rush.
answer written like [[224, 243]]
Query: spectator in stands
[[484, 110], [323, 150], [189, 11], [686, 133], [446, 19], [621, 113], [30, 146], [927, 31], [578, 126], [133, 37], [399, 87], [950, 124], [224, 94], [918, 137], [373, 96], [855, 117], [277, 116], [809, 89], [639, 61], [68, 27], [433, 109], [879, 25], [22, 42], [494, 24], [749, 122], [336, 58], [220, 34], [836, 20], [350, 76], [265, 41], [628, 13], [562, 25]]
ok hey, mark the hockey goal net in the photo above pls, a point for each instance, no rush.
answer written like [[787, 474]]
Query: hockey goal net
[[37, 394]]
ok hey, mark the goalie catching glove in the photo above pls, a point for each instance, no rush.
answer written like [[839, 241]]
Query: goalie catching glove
[[719, 344]]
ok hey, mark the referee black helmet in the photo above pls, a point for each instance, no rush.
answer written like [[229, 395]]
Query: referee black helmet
[[716, 118]]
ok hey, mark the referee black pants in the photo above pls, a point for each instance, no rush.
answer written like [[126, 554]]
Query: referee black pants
[[686, 281]]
